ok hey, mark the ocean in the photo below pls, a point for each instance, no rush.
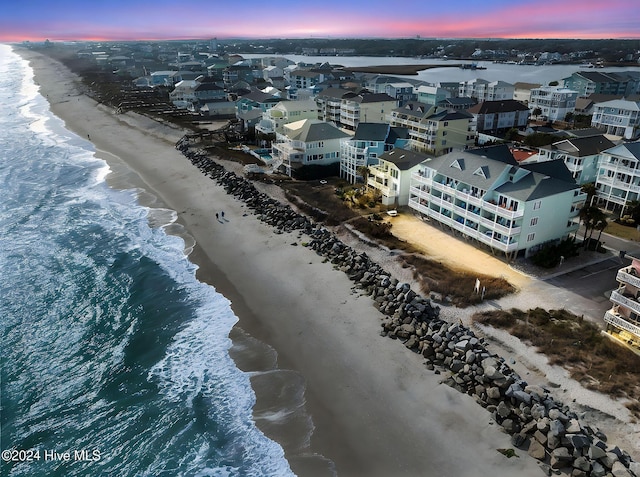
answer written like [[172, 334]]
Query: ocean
[[114, 358]]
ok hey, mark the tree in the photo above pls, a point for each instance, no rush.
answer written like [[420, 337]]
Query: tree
[[568, 117], [632, 208], [364, 172], [537, 112], [591, 190], [600, 226], [512, 135]]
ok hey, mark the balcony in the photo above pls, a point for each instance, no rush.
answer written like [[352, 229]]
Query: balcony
[[627, 275], [617, 167], [613, 182], [504, 212], [619, 299], [619, 322]]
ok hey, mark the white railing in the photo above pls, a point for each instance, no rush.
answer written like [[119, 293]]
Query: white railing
[[624, 276], [620, 322], [620, 299], [502, 210]]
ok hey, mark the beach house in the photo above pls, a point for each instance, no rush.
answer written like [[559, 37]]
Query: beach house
[[433, 129], [308, 142], [580, 154], [497, 117], [618, 180], [366, 107], [392, 175], [554, 102], [369, 142], [286, 112], [618, 117], [487, 196]]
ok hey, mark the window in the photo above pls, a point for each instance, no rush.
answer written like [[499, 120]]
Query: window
[[537, 204], [534, 221], [530, 237]]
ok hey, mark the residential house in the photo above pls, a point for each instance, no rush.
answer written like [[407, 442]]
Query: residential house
[[618, 180], [554, 102], [285, 112], [238, 72], [183, 95], [580, 154], [498, 117], [208, 91], [487, 196], [329, 104], [249, 107], [402, 92], [457, 104], [483, 90], [432, 94], [366, 107], [163, 78], [522, 91], [392, 175], [369, 142], [308, 142], [618, 117], [623, 319], [433, 129]]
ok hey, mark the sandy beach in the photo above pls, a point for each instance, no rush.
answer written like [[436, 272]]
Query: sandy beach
[[375, 409]]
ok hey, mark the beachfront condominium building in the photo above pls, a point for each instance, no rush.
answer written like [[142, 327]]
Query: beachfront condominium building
[[286, 112], [580, 154], [433, 129], [392, 175], [487, 196], [618, 179], [369, 142], [483, 90], [308, 142], [366, 107], [618, 117], [623, 319], [554, 102]]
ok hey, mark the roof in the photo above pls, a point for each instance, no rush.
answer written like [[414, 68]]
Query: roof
[[497, 152], [313, 130], [396, 133], [369, 98], [404, 159], [555, 168], [585, 132], [582, 146], [208, 87], [260, 97], [522, 85], [336, 93], [629, 150], [464, 100], [503, 106], [371, 132], [620, 104], [524, 183]]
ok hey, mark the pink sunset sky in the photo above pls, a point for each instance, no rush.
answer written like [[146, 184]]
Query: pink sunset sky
[[37, 20]]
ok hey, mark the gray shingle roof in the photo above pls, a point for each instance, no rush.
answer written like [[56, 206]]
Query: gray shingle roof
[[404, 159], [371, 132], [582, 146], [502, 106], [313, 131]]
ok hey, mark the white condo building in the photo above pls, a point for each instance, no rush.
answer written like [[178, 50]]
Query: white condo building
[[486, 195], [618, 117], [554, 102], [618, 180]]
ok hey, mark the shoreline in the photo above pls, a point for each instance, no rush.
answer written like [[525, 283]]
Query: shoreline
[[374, 419]]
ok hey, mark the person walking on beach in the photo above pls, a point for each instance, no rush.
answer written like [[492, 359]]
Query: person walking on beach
[[222, 214], [216, 215]]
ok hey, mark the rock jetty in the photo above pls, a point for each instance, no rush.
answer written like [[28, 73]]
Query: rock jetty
[[538, 424]]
